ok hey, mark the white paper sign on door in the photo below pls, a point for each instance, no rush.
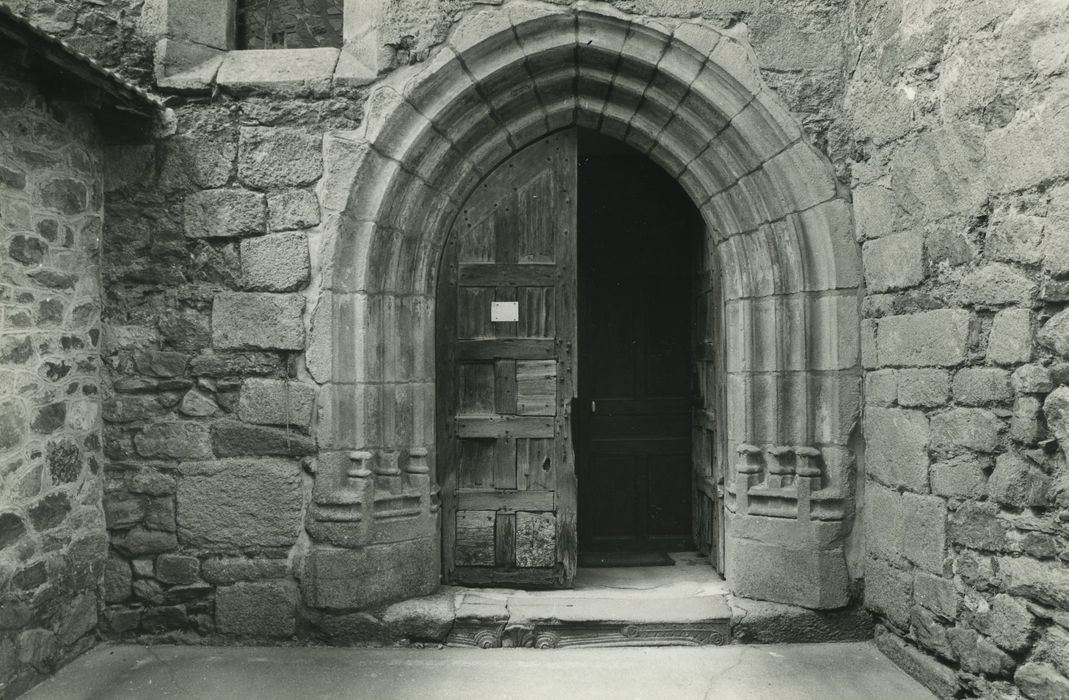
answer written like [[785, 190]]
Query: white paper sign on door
[[504, 311]]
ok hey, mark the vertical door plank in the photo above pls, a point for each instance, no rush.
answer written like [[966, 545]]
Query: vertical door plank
[[505, 387], [505, 463], [477, 460], [505, 540], [475, 544]]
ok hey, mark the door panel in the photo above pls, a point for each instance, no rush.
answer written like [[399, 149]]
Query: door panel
[[637, 236], [506, 382]]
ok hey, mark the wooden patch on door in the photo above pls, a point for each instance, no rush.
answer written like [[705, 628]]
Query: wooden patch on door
[[536, 387], [536, 539]]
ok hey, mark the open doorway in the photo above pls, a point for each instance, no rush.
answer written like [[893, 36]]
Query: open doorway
[[639, 258]]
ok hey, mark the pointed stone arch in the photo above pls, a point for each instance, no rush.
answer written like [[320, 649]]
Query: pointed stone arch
[[779, 235]]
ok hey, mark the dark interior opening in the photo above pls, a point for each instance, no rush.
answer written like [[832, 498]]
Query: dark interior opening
[[638, 260]]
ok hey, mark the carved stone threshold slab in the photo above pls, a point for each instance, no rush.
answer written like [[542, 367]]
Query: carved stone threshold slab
[[561, 622]]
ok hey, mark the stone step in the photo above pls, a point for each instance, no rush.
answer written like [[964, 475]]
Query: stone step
[[564, 621]]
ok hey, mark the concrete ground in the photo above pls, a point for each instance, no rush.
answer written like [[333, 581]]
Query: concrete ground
[[781, 672]]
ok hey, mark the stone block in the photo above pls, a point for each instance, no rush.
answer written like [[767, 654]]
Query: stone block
[[897, 450], [936, 593], [894, 262], [117, 580], [176, 569], [77, 617], [1032, 379], [260, 610], [271, 158], [225, 214], [968, 428], [1056, 410], [940, 173], [874, 210], [930, 338], [294, 71], [1010, 342], [292, 209], [1054, 335], [1053, 646], [239, 503], [929, 632], [174, 440], [977, 526], [760, 622], [1026, 424], [224, 571], [371, 575], [37, 647], [881, 387], [276, 402], [888, 591], [978, 654], [997, 284], [1018, 483], [808, 577], [937, 677], [138, 542], [65, 195], [422, 619], [250, 320], [1015, 237], [232, 438], [1041, 681], [275, 263], [979, 386], [1007, 622], [924, 530], [883, 522], [118, 621], [960, 476], [197, 405], [199, 160], [236, 364]]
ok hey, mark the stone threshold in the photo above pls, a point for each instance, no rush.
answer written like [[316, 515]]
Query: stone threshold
[[684, 605], [487, 619]]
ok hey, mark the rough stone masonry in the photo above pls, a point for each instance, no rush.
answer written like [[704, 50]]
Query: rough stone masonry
[[945, 122], [52, 537]]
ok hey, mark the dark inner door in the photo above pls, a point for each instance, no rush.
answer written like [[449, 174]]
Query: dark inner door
[[637, 263]]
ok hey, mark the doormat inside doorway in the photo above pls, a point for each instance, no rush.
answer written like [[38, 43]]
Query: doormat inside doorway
[[601, 560]]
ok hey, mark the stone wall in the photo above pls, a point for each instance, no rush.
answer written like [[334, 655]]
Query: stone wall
[[52, 541], [110, 31], [209, 408], [961, 196]]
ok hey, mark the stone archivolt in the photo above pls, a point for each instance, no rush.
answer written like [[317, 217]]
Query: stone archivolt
[[779, 235]]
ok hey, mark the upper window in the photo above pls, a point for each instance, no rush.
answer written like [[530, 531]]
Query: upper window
[[289, 24]]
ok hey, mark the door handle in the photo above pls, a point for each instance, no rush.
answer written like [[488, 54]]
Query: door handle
[[593, 406]]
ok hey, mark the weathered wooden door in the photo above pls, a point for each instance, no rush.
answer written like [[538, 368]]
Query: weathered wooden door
[[506, 374]]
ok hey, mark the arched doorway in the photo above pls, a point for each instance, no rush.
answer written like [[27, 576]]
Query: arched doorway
[[568, 281], [778, 232]]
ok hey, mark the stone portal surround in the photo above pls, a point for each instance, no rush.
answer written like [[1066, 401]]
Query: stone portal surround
[[693, 100]]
